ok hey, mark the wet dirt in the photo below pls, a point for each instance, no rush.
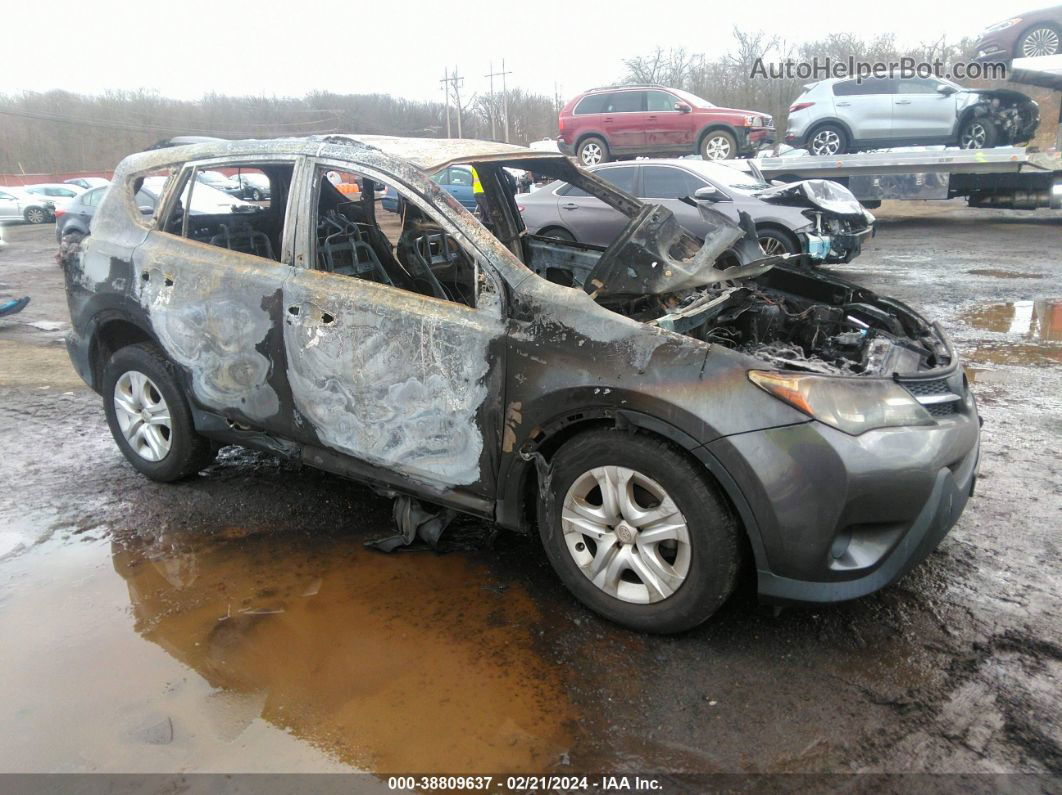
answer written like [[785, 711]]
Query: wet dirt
[[235, 622]]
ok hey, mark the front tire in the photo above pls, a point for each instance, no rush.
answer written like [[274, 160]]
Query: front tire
[[638, 533], [149, 415], [592, 151], [1038, 42], [256, 195], [774, 241], [718, 145], [978, 134]]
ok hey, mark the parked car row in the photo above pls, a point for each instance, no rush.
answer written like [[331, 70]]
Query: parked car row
[[820, 220], [42, 202]]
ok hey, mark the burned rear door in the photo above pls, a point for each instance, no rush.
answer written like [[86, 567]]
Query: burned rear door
[[405, 376], [210, 279]]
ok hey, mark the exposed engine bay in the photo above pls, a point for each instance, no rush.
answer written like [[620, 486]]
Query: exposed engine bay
[[801, 320], [1014, 115], [724, 291]]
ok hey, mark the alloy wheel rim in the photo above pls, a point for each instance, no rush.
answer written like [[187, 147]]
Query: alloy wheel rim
[[771, 246], [826, 142], [591, 154], [35, 216], [717, 148], [974, 136], [143, 416], [626, 534], [1040, 42]]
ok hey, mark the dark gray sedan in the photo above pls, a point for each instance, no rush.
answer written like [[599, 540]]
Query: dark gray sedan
[[818, 219]]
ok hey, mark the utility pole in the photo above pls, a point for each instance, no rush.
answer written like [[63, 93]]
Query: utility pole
[[457, 83], [490, 74], [505, 102], [454, 82], [446, 88]]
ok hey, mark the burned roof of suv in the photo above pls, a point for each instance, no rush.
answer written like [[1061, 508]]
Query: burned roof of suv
[[428, 154]]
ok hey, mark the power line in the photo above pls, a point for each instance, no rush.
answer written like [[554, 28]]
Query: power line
[[133, 127]]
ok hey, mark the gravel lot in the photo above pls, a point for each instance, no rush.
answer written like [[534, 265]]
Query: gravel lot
[[236, 623]]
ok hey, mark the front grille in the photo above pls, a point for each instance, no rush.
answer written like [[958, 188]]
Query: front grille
[[935, 396], [920, 388], [943, 409]]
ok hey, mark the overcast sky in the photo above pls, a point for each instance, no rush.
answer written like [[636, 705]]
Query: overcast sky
[[187, 48]]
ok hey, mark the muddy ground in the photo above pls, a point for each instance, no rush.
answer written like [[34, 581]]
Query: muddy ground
[[235, 622]]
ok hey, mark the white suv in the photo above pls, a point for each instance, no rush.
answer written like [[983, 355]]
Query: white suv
[[836, 116]]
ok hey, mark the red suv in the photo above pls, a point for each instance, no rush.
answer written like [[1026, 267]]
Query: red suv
[[624, 121]]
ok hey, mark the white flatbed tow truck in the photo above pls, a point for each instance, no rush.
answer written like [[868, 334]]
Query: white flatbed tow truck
[[1009, 177]]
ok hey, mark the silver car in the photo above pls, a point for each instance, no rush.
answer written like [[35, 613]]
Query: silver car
[[16, 203], [791, 219], [837, 116]]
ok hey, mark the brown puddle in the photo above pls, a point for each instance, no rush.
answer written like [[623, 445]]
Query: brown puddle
[[1035, 326], [393, 663]]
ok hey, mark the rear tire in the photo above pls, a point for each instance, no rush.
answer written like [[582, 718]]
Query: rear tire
[[667, 547], [35, 215], [828, 140], [140, 382], [592, 151], [256, 195], [557, 233], [718, 145]]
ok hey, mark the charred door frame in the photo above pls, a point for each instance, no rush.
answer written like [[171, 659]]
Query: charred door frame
[[231, 266]]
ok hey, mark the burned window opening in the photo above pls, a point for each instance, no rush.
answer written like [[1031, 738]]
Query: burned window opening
[[419, 256], [219, 218]]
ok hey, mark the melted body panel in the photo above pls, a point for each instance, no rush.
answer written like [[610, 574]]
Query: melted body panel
[[393, 378]]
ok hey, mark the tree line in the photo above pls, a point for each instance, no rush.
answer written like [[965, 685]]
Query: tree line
[[61, 131]]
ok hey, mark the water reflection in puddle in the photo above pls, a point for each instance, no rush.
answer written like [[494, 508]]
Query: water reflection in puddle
[[1034, 329], [391, 662]]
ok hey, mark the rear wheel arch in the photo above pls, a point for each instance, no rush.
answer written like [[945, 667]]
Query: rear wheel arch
[[546, 230], [114, 332]]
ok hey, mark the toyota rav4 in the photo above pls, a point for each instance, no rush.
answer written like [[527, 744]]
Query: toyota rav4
[[655, 415]]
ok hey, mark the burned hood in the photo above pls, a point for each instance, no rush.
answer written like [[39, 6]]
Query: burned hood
[[654, 255], [818, 193]]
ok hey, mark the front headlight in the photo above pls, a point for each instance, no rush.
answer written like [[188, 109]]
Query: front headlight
[[754, 121], [1003, 25], [850, 404]]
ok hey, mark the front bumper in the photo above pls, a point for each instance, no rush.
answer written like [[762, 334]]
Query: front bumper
[[833, 517], [992, 50], [752, 139]]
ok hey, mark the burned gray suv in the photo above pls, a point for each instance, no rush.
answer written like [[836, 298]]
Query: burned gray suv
[[657, 408]]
